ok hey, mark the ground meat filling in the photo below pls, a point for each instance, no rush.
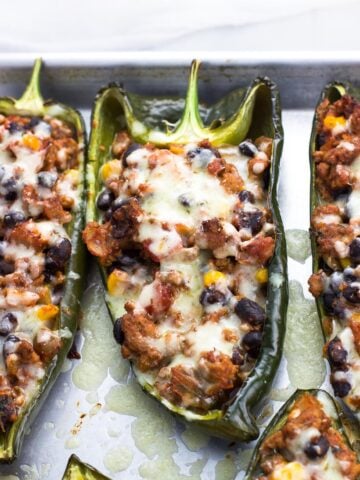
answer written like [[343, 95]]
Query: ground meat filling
[[336, 228], [39, 180], [185, 236], [307, 446]]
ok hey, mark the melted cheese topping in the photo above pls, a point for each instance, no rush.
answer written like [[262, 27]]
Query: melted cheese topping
[[25, 293], [346, 273], [328, 465], [177, 194]]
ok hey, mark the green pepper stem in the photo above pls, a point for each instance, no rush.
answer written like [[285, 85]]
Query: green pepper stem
[[32, 100], [190, 128]]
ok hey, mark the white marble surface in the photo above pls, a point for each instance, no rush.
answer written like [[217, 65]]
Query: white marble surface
[[119, 25]]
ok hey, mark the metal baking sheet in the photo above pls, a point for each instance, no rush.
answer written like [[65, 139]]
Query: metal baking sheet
[[95, 409]]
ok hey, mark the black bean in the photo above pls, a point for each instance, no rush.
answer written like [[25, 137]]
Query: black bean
[[15, 127], [129, 151], [58, 255], [6, 268], [342, 192], [118, 332], [336, 280], [8, 409], [355, 250], [250, 312], [341, 387], [320, 140], [337, 355], [121, 229], [118, 203], [121, 221], [10, 345], [184, 200], [266, 179], [107, 215], [129, 259], [252, 343], [317, 447], [349, 275], [210, 296], [238, 357], [202, 155], [10, 187], [13, 218], [47, 179], [352, 294], [8, 324], [34, 121], [328, 300], [246, 196], [105, 200], [248, 148], [252, 220]]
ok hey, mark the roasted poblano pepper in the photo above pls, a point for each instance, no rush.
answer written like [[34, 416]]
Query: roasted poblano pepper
[[245, 113], [32, 106], [76, 470], [334, 161], [326, 441]]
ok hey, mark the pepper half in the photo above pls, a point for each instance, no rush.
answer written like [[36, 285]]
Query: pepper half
[[31, 104], [334, 213], [76, 470], [310, 447], [249, 113]]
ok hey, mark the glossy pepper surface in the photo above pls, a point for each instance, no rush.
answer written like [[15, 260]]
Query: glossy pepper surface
[[248, 113], [76, 470]]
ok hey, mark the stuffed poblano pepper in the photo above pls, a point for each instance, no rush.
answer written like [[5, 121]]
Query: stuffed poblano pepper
[[76, 470], [306, 440], [186, 226], [335, 222], [41, 258]]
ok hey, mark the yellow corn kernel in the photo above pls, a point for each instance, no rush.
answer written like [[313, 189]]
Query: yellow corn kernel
[[176, 149], [111, 170], [345, 262], [212, 276], [47, 312], [262, 275], [289, 471], [31, 141], [183, 229], [355, 317], [330, 121], [117, 282]]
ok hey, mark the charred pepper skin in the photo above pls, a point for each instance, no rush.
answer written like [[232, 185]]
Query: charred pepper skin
[[76, 469], [32, 104], [342, 424], [258, 114]]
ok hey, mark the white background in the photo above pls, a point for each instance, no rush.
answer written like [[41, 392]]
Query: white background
[[118, 25]]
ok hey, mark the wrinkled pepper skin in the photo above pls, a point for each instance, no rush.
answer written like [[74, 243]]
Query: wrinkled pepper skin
[[76, 470], [32, 104], [250, 113], [341, 424]]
